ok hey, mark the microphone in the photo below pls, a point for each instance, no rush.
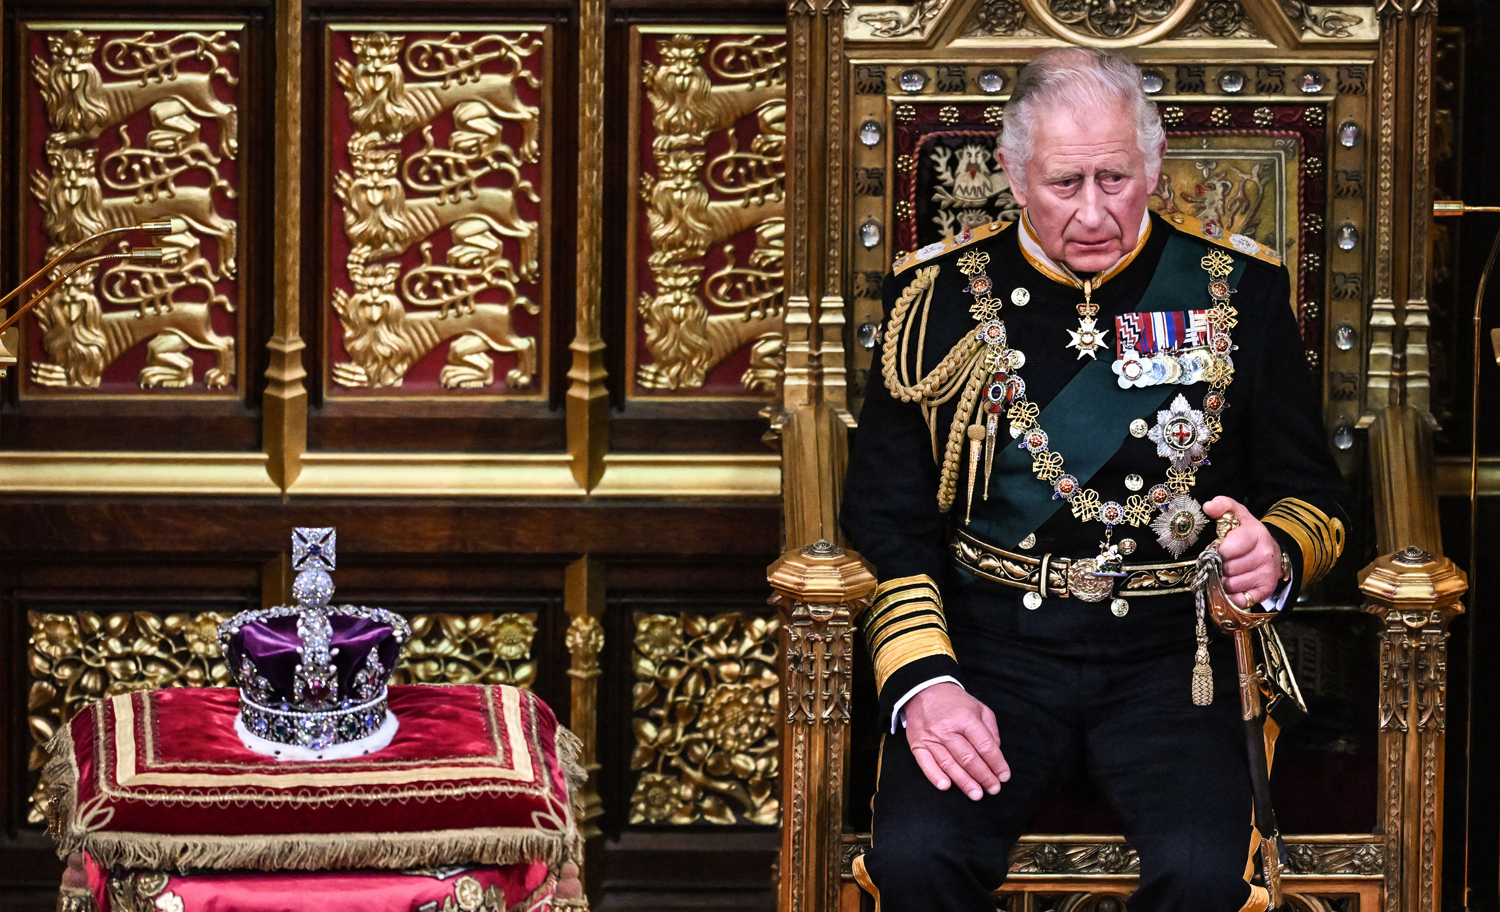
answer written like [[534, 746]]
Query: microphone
[[157, 255]]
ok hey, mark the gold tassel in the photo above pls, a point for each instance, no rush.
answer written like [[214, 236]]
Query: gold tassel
[[1203, 676], [976, 447], [989, 454]]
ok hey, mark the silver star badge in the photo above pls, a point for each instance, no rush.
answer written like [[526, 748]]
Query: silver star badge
[[1181, 435], [1179, 525], [1087, 338]]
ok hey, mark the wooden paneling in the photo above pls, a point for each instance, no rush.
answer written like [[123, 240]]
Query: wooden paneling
[[454, 488]]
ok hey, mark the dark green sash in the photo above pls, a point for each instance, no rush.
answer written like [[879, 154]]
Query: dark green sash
[[1089, 420]]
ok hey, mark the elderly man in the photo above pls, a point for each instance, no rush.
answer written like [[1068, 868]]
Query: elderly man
[[1032, 480]]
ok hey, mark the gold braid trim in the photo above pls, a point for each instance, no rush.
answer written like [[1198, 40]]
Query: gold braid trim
[[927, 387], [1320, 536], [948, 479], [906, 624]]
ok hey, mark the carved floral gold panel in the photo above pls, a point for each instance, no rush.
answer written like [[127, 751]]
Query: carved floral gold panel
[[76, 659], [704, 711], [707, 231], [469, 649], [122, 127], [437, 277]]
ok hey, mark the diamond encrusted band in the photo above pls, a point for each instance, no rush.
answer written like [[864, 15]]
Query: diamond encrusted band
[[316, 730]]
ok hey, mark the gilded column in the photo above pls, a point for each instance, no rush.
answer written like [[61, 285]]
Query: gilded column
[[1416, 595], [1398, 390], [820, 589], [812, 418], [284, 406], [588, 400], [583, 597]]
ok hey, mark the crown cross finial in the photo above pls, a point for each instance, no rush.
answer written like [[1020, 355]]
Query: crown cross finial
[[314, 547]]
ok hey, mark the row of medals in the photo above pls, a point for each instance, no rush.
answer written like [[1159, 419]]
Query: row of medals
[[1182, 434]]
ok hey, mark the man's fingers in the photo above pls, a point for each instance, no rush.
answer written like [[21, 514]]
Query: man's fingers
[[930, 768], [1254, 561], [974, 762], [988, 747], [955, 771]]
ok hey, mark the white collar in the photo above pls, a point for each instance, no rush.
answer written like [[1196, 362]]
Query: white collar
[[1059, 272]]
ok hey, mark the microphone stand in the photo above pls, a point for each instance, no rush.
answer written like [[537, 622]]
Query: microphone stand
[[1450, 208], [157, 228]]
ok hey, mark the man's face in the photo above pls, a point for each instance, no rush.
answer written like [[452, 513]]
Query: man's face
[[1086, 187]]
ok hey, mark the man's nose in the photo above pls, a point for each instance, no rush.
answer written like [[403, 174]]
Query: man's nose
[[1091, 206]]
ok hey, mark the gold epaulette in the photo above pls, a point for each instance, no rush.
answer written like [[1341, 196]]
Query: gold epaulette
[[938, 248], [905, 624], [1239, 243], [1320, 536]]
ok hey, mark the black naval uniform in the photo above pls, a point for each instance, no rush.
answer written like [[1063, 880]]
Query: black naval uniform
[[1069, 682]]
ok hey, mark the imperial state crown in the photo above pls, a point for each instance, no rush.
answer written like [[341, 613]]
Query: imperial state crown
[[313, 679]]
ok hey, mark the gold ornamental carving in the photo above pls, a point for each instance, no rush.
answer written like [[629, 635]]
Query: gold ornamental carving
[[124, 151], [710, 274], [900, 21], [76, 659], [443, 235], [1324, 23], [705, 706], [1001, 18], [1112, 23], [469, 649], [585, 640], [1220, 19]]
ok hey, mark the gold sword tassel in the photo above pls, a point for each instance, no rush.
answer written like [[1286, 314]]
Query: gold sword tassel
[[976, 448]]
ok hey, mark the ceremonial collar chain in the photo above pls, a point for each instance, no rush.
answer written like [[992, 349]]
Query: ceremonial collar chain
[[1183, 435]]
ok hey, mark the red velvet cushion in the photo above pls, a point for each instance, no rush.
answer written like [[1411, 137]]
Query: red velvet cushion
[[159, 780], [478, 889]]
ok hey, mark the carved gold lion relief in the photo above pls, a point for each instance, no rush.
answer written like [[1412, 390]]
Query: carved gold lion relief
[[130, 127], [437, 177], [708, 236]]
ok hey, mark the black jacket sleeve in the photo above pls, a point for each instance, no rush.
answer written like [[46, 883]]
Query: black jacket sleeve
[[891, 516], [1298, 491]]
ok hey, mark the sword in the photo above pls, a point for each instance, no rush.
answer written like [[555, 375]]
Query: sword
[[1240, 623]]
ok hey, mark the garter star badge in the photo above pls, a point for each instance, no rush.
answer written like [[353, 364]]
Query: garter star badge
[[1181, 435]]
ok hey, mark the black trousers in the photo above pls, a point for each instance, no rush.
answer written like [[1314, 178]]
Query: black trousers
[[1176, 774]]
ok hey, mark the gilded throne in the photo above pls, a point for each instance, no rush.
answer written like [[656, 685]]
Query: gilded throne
[[1304, 127]]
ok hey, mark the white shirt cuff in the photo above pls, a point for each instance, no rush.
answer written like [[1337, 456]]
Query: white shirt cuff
[[1277, 600], [896, 713]]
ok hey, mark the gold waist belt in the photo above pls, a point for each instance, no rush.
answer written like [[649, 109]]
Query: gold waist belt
[[1064, 577]]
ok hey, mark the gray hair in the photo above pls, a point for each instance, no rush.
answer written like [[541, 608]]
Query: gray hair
[[1076, 78]]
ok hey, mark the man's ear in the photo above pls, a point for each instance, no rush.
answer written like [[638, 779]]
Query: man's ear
[[1154, 176], [1016, 190]]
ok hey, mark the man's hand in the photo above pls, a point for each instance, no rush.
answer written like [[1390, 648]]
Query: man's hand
[[955, 740], [1252, 558]]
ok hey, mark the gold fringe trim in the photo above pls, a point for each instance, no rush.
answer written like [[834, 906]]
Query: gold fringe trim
[[309, 851], [76, 899], [570, 757], [322, 852]]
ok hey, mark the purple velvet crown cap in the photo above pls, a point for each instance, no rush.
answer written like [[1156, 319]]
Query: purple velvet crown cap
[[312, 675], [362, 646]]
